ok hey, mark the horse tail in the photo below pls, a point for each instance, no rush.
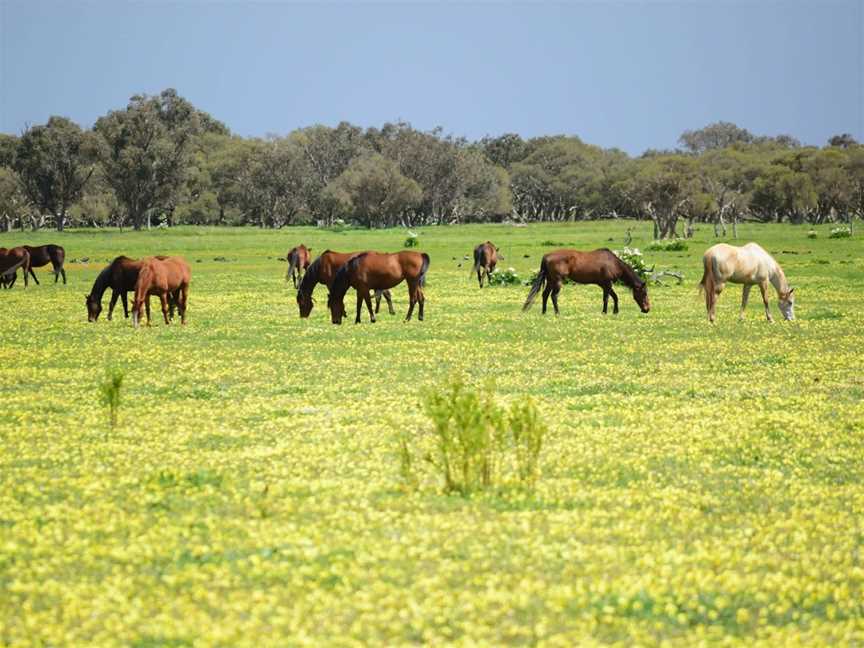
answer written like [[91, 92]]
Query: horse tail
[[478, 259], [709, 272], [423, 269], [291, 261], [537, 285]]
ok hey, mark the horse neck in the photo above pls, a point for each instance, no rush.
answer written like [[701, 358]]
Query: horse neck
[[778, 279], [309, 280], [628, 276], [101, 284]]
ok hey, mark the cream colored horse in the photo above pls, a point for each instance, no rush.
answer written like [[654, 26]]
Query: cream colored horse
[[749, 265]]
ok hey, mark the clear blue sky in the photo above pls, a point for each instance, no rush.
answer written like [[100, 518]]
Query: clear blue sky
[[627, 74]]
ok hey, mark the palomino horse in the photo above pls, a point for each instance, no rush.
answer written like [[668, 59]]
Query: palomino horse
[[599, 267], [485, 260], [323, 270], [374, 271], [10, 260], [162, 277], [749, 265], [45, 254], [120, 276], [298, 261]]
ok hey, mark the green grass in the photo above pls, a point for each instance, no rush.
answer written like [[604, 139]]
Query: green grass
[[697, 483]]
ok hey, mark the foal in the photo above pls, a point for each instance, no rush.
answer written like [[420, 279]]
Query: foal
[[599, 267]]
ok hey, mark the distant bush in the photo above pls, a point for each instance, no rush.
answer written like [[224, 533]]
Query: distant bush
[[844, 231], [812, 234], [411, 241], [479, 444], [506, 277], [673, 245], [553, 244]]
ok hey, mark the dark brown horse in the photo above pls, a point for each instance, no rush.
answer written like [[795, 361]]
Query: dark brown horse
[[43, 255], [162, 277], [10, 260], [374, 271], [120, 276], [599, 267], [298, 260], [485, 260], [323, 270]]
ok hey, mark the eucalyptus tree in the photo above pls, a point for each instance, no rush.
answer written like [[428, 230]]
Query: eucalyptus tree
[[54, 163]]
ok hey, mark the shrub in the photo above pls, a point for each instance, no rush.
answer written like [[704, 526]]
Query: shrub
[[844, 231], [811, 234], [412, 240], [673, 245], [553, 244], [506, 277], [478, 440], [633, 257], [110, 391]]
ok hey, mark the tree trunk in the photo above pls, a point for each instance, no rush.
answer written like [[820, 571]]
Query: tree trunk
[[61, 218]]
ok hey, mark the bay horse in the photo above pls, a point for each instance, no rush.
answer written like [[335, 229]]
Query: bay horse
[[599, 267], [376, 271], [162, 277], [750, 265], [485, 260], [120, 276], [45, 254], [10, 260], [323, 270], [298, 261]]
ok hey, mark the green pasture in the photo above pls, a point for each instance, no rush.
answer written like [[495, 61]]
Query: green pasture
[[699, 484]]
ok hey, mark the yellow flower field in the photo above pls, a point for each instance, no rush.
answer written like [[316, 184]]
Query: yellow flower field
[[699, 485]]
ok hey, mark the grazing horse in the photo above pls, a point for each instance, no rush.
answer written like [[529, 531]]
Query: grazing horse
[[375, 271], [120, 276], [485, 260], [749, 265], [298, 261], [323, 270], [45, 254], [162, 277], [10, 260], [599, 267]]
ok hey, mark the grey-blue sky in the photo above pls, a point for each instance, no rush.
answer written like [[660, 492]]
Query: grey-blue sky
[[627, 74]]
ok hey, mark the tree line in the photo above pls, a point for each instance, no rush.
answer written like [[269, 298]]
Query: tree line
[[161, 161]]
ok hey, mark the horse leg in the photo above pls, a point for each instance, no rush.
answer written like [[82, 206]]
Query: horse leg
[[412, 299], [763, 287], [605, 288], [114, 296], [147, 304], [377, 301], [183, 294], [32, 274], [421, 298], [614, 300], [389, 298], [63, 273], [745, 295], [359, 306], [546, 291], [368, 299], [480, 276], [163, 298], [126, 304], [555, 292]]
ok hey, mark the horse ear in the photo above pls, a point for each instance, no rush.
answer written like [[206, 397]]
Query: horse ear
[[791, 290]]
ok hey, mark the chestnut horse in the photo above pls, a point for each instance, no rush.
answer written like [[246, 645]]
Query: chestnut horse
[[10, 260], [298, 261], [162, 277], [599, 267], [120, 276], [375, 271], [749, 265], [323, 270], [45, 254], [485, 260]]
